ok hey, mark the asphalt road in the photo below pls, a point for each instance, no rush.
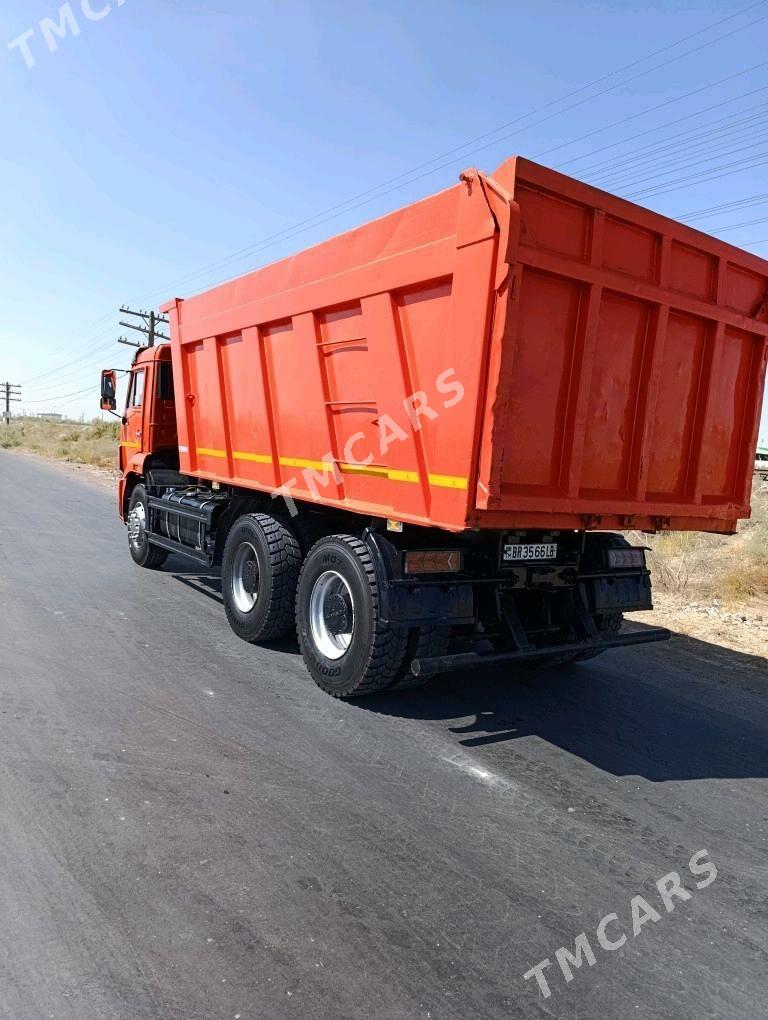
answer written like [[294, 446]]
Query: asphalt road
[[190, 829]]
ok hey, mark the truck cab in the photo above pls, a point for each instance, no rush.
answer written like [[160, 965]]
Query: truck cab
[[148, 434]]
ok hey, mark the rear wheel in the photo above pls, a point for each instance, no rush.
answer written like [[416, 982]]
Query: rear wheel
[[142, 551], [593, 560], [607, 624], [597, 543], [260, 571], [348, 650]]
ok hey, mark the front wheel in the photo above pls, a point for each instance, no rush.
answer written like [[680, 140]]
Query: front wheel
[[142, 551], [347, 648]]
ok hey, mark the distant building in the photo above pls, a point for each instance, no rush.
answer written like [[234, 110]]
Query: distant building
[[49, 416], [761, 459]]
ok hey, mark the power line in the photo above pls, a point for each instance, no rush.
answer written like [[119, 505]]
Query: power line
[[61, 396], [745, 223], [652, 109], [376, 192], [715, 210], [701, 178], [691, 162], [583, 88], [71, 361], [693, 138], [85, 356], [300, 227], [658, 127], [73, 374], [627, 179]]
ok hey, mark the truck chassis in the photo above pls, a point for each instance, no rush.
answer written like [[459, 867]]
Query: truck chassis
[[380, 609]]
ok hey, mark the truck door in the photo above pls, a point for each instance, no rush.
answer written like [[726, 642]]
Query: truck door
[[163, 413], [132, 430]]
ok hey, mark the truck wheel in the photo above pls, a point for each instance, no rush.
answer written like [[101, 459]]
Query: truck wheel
[[608, 623], [142, 551], [423, 643], [259, 573], [348, 650]]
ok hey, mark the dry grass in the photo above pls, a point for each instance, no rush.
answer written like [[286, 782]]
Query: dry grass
[[733, 568], [93, 443]]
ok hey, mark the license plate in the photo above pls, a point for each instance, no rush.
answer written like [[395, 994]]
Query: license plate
[[518, 553]]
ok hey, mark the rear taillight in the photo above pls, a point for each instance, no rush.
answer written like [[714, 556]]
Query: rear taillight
[[621, 559], [440, 561]]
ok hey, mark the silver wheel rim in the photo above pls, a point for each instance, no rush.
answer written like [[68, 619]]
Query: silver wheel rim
[[331, 615], [137, 525], [245, 577]]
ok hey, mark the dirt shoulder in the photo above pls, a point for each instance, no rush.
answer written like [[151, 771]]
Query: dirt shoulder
[[743, 629], [713, 587]]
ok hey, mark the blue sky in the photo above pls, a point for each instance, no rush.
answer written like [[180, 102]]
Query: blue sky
[[167, 136]]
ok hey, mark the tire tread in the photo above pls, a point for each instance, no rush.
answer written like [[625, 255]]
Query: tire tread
[[151, 556], [389, 643], [425, 642], [285, 558]]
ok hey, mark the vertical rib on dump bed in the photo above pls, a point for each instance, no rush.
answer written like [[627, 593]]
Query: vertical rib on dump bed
[[609, 361]]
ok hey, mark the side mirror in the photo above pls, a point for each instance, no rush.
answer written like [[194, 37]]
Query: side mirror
[[108, 390]]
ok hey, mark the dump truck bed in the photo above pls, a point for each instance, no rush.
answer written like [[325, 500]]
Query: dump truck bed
[[518, 351]]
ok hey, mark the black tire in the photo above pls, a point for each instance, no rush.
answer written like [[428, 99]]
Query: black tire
[[259, 573], [338, 579], [596, 544], [607, 623], [423, 643], [142, 551]]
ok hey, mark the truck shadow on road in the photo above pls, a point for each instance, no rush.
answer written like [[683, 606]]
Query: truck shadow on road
[[208, 584], [685, 710]]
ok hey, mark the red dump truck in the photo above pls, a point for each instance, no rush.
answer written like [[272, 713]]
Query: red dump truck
[[417, 443]]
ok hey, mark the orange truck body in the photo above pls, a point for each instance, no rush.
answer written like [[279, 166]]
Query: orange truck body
[[519, 351]]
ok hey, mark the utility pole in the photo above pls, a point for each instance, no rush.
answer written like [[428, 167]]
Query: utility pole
[[11, 392], [150, 322]]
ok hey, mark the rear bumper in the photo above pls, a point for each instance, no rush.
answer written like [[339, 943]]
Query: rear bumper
[[471, 660]]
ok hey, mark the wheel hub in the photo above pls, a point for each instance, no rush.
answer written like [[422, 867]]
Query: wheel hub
[[331, 615], [250, 577], [245, 577], [337, 614], [137, 520]]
